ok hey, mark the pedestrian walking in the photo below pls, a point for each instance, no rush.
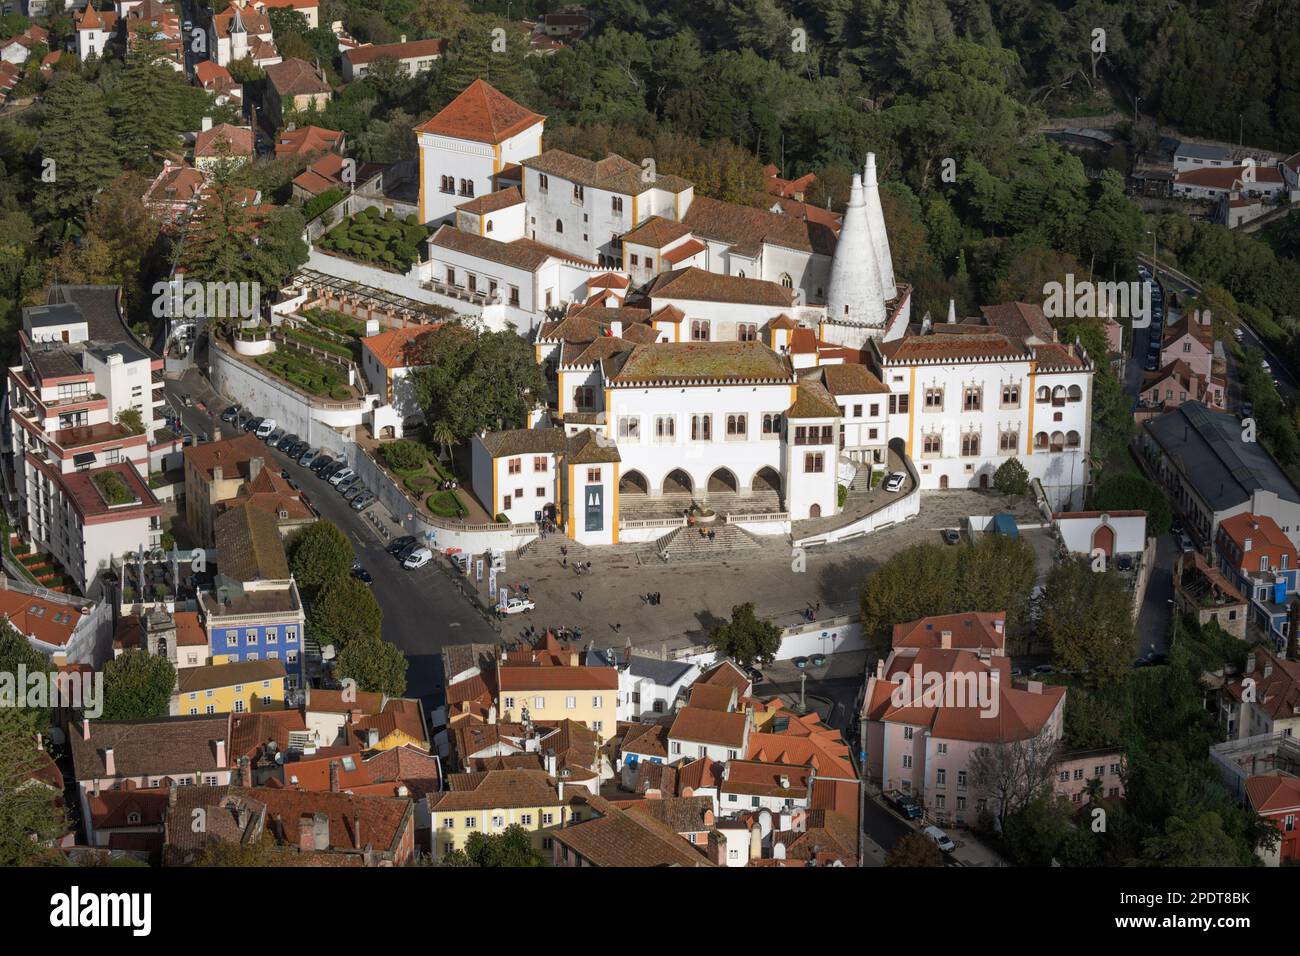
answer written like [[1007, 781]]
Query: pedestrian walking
[[579, 597]]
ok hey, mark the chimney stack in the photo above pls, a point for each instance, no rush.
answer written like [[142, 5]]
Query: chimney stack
[[254, 468], [110, 765], [306, 833], [245, 772], [85, 728], [356, 832], [334, 776], [219, 752], [321, 830]]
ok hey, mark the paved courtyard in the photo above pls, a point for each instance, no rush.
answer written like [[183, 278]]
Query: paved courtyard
[[608, 603]]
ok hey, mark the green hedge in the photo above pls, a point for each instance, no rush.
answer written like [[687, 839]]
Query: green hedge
[[307, 373], [446, 504], [421, 484], [405, 455], [324, 344]]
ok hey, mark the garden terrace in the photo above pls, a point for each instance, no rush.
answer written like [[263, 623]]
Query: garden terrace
[[379, 239], [327, 293], [415, 468], [308, 374]]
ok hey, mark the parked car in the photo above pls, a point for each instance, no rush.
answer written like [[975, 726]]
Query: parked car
[[347, 484], [299, 449], [355, 487], [286, 442], [801, 662], [408, 550], [324, 465], [518, 606], [341, 475], [186, 400], [1186, 543], [1124, 563], [940, 839], [904, 803], [951, 536], [397, 544], [417, 559], [1042, 669], [265, 428], [818, 660], [895, 481], [252, 424], [273, 439], [360, 573], [308, 457], [230, 413], [363, 501]]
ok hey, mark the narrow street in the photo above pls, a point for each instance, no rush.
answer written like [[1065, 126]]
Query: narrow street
[[419, 620]]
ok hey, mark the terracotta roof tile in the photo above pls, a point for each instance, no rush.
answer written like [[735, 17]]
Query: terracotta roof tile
[[481, 113]]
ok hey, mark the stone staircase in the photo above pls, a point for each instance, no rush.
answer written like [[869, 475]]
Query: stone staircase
[[688, 544], [861, 482], [548, 549]]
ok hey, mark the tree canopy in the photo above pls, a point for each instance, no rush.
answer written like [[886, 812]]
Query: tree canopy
[[138, 685], [746, 638]]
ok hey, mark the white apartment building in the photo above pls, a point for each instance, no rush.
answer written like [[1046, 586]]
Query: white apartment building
[[77, 473]]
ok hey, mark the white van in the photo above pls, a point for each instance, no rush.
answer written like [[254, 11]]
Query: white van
[[265, 429], [418, 559]]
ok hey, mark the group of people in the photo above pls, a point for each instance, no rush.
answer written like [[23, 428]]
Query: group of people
[[652, 597], [449, 484]]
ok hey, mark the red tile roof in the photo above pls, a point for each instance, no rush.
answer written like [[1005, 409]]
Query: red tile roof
[[410, 50], [481, 113], [307, 140], [397, 348], [1273, 793], [49, 622], [239, 138], [697, 725], [1266, 539], [974, 630]]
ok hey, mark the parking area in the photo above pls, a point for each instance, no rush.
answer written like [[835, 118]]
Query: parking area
[[423, 609]]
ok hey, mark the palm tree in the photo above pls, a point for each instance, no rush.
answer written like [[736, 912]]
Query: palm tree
[[443, 437]]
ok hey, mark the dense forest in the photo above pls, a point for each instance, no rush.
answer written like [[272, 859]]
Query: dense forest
[[949, 94]]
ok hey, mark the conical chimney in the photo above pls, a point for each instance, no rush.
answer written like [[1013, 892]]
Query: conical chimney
[[855, 294], [879, 234]]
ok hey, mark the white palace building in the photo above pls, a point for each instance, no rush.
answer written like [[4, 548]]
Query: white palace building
[[740, 359]]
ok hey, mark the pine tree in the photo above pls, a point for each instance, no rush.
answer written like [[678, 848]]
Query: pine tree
[[75, 154]]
